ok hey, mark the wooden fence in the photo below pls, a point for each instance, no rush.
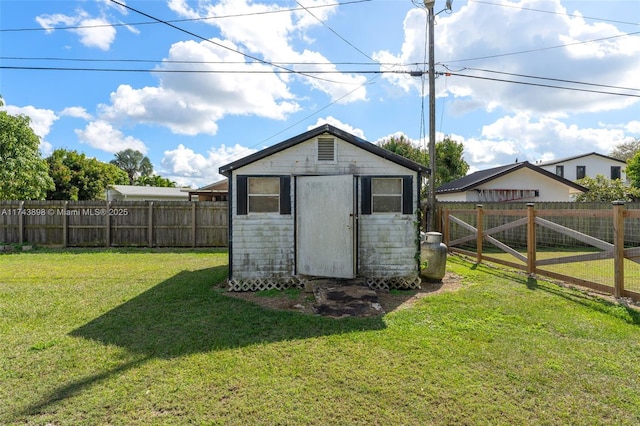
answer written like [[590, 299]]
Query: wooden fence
[[616, 221], [114, 223]]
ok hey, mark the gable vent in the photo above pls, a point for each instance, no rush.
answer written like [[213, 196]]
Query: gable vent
[[326, 149]]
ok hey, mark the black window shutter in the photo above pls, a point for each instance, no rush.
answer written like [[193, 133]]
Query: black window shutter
[[407, 195], [285, 194], [241, 195], [365, 195]]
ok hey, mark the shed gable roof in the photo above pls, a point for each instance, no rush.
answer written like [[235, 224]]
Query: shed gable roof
[[476, 179], [227, 169]]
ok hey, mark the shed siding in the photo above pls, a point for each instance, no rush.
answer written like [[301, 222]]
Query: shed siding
[[301, 160], [263, 245], [387, 245]]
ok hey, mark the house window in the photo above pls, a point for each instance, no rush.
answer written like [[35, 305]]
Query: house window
[[615, 172], [581, 172], [560, 171], [386, 195], [326, 149], [263, 194]]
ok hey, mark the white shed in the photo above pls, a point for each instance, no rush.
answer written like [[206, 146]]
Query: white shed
[[323, 204]]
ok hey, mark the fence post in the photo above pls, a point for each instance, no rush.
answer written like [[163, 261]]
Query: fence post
[[193, 223], [479, 236], [107, 225], [150, 224], [618, 248], [65, 224], [531, 239], [445, 232], [21, 223]]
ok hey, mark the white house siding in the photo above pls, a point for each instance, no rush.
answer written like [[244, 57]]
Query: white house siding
[[594, 165], [522, 179], [263, 245]]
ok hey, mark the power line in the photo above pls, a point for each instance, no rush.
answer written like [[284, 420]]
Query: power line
[[246, 55], [170, 61], [542, 48], [334, 32], [377, 72], [556, 13], [553, 79], [541, 85], [206, 18]]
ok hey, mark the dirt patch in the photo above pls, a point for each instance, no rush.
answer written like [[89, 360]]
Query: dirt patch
[[389, 300]]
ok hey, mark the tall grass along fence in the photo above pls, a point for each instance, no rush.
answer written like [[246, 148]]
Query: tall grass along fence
[[114, 223], [596, 245]]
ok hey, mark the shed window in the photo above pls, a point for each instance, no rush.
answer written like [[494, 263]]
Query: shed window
[[387, 194], [326, 149], [263, 194], [560, 171], [615, 172], [581, 172]]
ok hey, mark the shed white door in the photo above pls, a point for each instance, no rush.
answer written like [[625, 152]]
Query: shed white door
[[324, 218]]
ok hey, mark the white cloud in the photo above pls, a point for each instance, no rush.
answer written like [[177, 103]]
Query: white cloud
[[102, 135], [193, 103], [340, 125], [76, 112], [187, 167], [270, 36], [93, 31], [464, 35], [524, 138], [41, 119], [41, 122]]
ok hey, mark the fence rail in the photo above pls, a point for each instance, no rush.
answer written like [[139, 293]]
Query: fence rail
[[602, 242], [115, 223]]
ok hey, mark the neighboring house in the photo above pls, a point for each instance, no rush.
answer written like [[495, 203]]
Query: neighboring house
[[586, 165], [217, 191], [145, 193], [323, 204], [514, 182]]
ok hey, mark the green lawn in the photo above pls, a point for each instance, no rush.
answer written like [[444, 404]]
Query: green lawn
[[148, 337]]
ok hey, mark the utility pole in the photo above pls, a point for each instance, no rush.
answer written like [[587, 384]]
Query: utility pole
[[429, 4]]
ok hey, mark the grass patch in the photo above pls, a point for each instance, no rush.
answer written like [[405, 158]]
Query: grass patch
[[144, 337]]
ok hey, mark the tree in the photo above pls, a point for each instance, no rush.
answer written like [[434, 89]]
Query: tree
[[135, 163], [602, 189], [23, 173], [155, 180], [78, 177], [450, 165], [626, 150], [633, 170]]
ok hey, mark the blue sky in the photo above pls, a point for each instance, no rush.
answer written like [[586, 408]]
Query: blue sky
[[191, 123]]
